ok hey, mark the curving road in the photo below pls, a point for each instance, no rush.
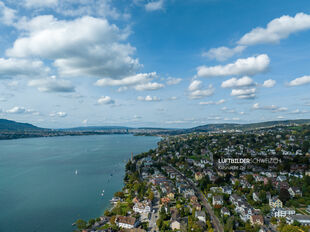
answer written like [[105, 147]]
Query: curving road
[[214, 220]]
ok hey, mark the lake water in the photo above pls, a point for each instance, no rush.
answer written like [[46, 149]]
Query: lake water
[[39, 190]]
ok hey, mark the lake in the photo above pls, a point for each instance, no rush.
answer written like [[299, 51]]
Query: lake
[[39, 187]]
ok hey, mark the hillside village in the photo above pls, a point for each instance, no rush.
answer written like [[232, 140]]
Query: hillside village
[[187, 185]]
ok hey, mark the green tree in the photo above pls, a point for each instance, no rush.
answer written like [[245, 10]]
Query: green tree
[[81, 224]]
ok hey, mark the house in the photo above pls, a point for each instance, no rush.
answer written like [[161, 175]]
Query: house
[[165, 200], [255, 196], [281, 178], [197, 206], [170, 196], [175, 225], [227, 190], [257, 220], [302, 219], [282, 212], [225, 212], [193, 199], [246, 213], [294, 191], [275, 202], [198, 176], [126, 222], [188, 193], [143, 207], [217, 200], [201, 215]]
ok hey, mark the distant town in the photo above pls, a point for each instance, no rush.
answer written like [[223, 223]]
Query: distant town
[[185, 185]]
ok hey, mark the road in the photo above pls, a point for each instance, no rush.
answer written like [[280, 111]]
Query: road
[[214, 220], [155, 215]]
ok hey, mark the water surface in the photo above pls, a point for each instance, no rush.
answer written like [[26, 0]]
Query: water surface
[[39, 190]]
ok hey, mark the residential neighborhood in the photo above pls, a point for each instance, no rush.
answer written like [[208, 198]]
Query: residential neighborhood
[[225, 181]]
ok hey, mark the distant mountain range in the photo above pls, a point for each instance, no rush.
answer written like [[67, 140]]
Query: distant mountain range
[[232, 126], [11, 129], [8, 125]]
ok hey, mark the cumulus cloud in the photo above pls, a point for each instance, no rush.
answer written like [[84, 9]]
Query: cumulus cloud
[[249, 66], [238, 83], [173, 98], [52, 85], [298, 111], [40, 3], [173, 81], [228, 110], [269, 83], [127, 81], [86, 46], [148, 98], [273, 108], [223, 53], [21, 110], [244, 93], [219, 102], [154, 5], [105, 100], [59, 114], [277, 29], [149, 86], [197, 91], [140, 82], [195, 85], [7, 15], [300, 81], [21, 68]]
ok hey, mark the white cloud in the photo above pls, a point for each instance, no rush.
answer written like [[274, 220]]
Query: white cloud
[[298, 111], [277, 29], [7, 15], [148, 98], [269, 83], [21, 67], [300, 81], [105, 100], [195, 85], [40, 3], [237, 83], [244, 93], [197, 91], [200, 93], [273, 108], [127, 81], [85, 46], [21, 110], [223, 53], [140, 82], [149, 86], [219, 102], [154, 5], [52, 85], [228, 110], [59, 114], [173, 81], [173, 98], [249, 66]]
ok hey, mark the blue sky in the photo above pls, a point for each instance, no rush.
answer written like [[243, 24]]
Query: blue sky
[[163, 63]]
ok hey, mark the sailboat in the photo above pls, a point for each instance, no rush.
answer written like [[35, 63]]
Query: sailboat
[[102, 193], [76, 172]]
